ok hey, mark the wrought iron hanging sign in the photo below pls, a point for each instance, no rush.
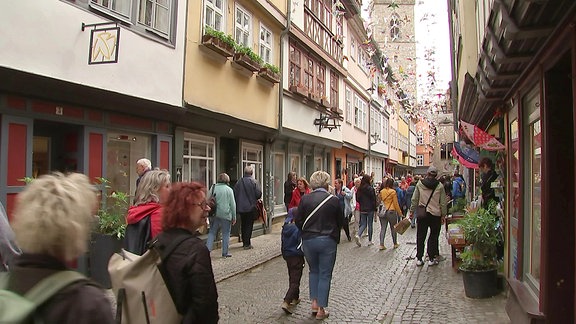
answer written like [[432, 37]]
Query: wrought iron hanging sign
[[104, 43]]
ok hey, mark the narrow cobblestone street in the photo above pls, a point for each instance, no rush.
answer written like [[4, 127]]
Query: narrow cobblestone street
[[368, 286]]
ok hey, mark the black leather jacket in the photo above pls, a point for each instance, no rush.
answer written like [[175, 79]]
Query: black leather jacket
[[328, 219], [190, 270]]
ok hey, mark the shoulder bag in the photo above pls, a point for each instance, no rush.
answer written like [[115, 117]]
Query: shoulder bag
[[421, 210]]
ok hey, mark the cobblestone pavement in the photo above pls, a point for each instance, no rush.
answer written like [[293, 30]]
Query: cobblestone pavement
[[368, 286]]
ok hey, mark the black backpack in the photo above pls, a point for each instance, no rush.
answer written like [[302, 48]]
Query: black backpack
[[138, 236]]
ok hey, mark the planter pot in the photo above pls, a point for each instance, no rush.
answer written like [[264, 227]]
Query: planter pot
[[314, 97], [480, 284], [246, 62], [217, 45], [303, 91], [267, 74], [101, 249]]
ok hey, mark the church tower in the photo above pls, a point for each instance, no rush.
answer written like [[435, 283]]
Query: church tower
[[393, 29]]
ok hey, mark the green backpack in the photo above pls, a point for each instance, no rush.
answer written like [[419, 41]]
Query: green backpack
[[15, 308]]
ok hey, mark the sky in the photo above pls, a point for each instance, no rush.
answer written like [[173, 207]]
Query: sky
[[432, 36]]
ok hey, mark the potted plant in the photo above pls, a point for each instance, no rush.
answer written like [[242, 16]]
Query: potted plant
[[245, 57], [270, 72], [218, 42], [479, 260], [458, 208], [108, 233]]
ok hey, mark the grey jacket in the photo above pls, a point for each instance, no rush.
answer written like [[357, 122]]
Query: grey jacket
[[246, 192]]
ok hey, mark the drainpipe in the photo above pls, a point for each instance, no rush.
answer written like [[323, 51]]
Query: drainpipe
[[281, 84]]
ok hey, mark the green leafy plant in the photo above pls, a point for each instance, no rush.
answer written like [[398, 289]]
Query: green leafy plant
[[241, 49], [481, 230], [112, 212], [26, 180], [227, 39], [272, 68], [459, 205]]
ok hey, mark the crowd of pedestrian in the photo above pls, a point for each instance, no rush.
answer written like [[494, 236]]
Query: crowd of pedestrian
[[317, 211]]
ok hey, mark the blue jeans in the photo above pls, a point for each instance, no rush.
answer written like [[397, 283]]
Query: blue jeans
[[320, 253], [366, 219], [216, 224]]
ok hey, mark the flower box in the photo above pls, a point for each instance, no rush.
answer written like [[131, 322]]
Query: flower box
[[299, 89], [314, 97], [217, 45], [267, 74], [246, 62], [337, 110]]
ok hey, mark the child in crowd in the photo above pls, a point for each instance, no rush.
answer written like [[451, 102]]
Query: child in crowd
[[292, 253]]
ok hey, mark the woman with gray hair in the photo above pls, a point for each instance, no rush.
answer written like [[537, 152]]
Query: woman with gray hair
[[53, 218], [320, 219], [225, 213], [146, 213]]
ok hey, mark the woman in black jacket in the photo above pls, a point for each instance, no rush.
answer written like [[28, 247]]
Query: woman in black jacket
[[366, 197], [189, 268], [320, 236]]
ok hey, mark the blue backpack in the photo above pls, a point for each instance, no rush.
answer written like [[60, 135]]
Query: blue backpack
[[291, 238]]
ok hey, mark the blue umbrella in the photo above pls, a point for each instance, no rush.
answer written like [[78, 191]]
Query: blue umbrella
[[466, 155]]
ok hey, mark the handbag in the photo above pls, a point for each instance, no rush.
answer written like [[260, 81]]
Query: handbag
[[261, 212], [382, 213], [402, 226], [212, 203], [421, 210]]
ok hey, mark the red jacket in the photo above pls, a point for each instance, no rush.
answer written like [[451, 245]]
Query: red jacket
[[136, 213], [296, 196]]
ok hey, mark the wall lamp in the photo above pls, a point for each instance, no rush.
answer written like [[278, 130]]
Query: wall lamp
[[327, 121]]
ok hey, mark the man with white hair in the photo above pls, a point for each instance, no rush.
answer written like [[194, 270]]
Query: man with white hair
[[246, 193], [142, 166]]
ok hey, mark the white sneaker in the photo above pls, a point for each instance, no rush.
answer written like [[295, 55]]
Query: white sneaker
[[370, 243], [419, 263], [432, 262]]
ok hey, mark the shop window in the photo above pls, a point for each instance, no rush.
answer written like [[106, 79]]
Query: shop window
[[199, 163], [122, 152], [532, 180], [252, 155]]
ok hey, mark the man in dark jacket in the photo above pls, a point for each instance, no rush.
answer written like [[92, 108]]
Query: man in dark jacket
[[246, 193], [429, 193], [488, 176]]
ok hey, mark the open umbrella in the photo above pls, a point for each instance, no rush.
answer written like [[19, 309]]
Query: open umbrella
[[466, 155], [480, 138]]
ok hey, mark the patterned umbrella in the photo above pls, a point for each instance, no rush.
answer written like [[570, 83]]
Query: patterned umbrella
[[466, 155], [480, 138]]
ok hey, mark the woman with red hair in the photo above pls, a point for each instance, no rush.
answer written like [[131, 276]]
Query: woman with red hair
[[190, 278], [302, 188]]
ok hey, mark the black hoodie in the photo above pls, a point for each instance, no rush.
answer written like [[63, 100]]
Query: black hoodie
[[430, 183]]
